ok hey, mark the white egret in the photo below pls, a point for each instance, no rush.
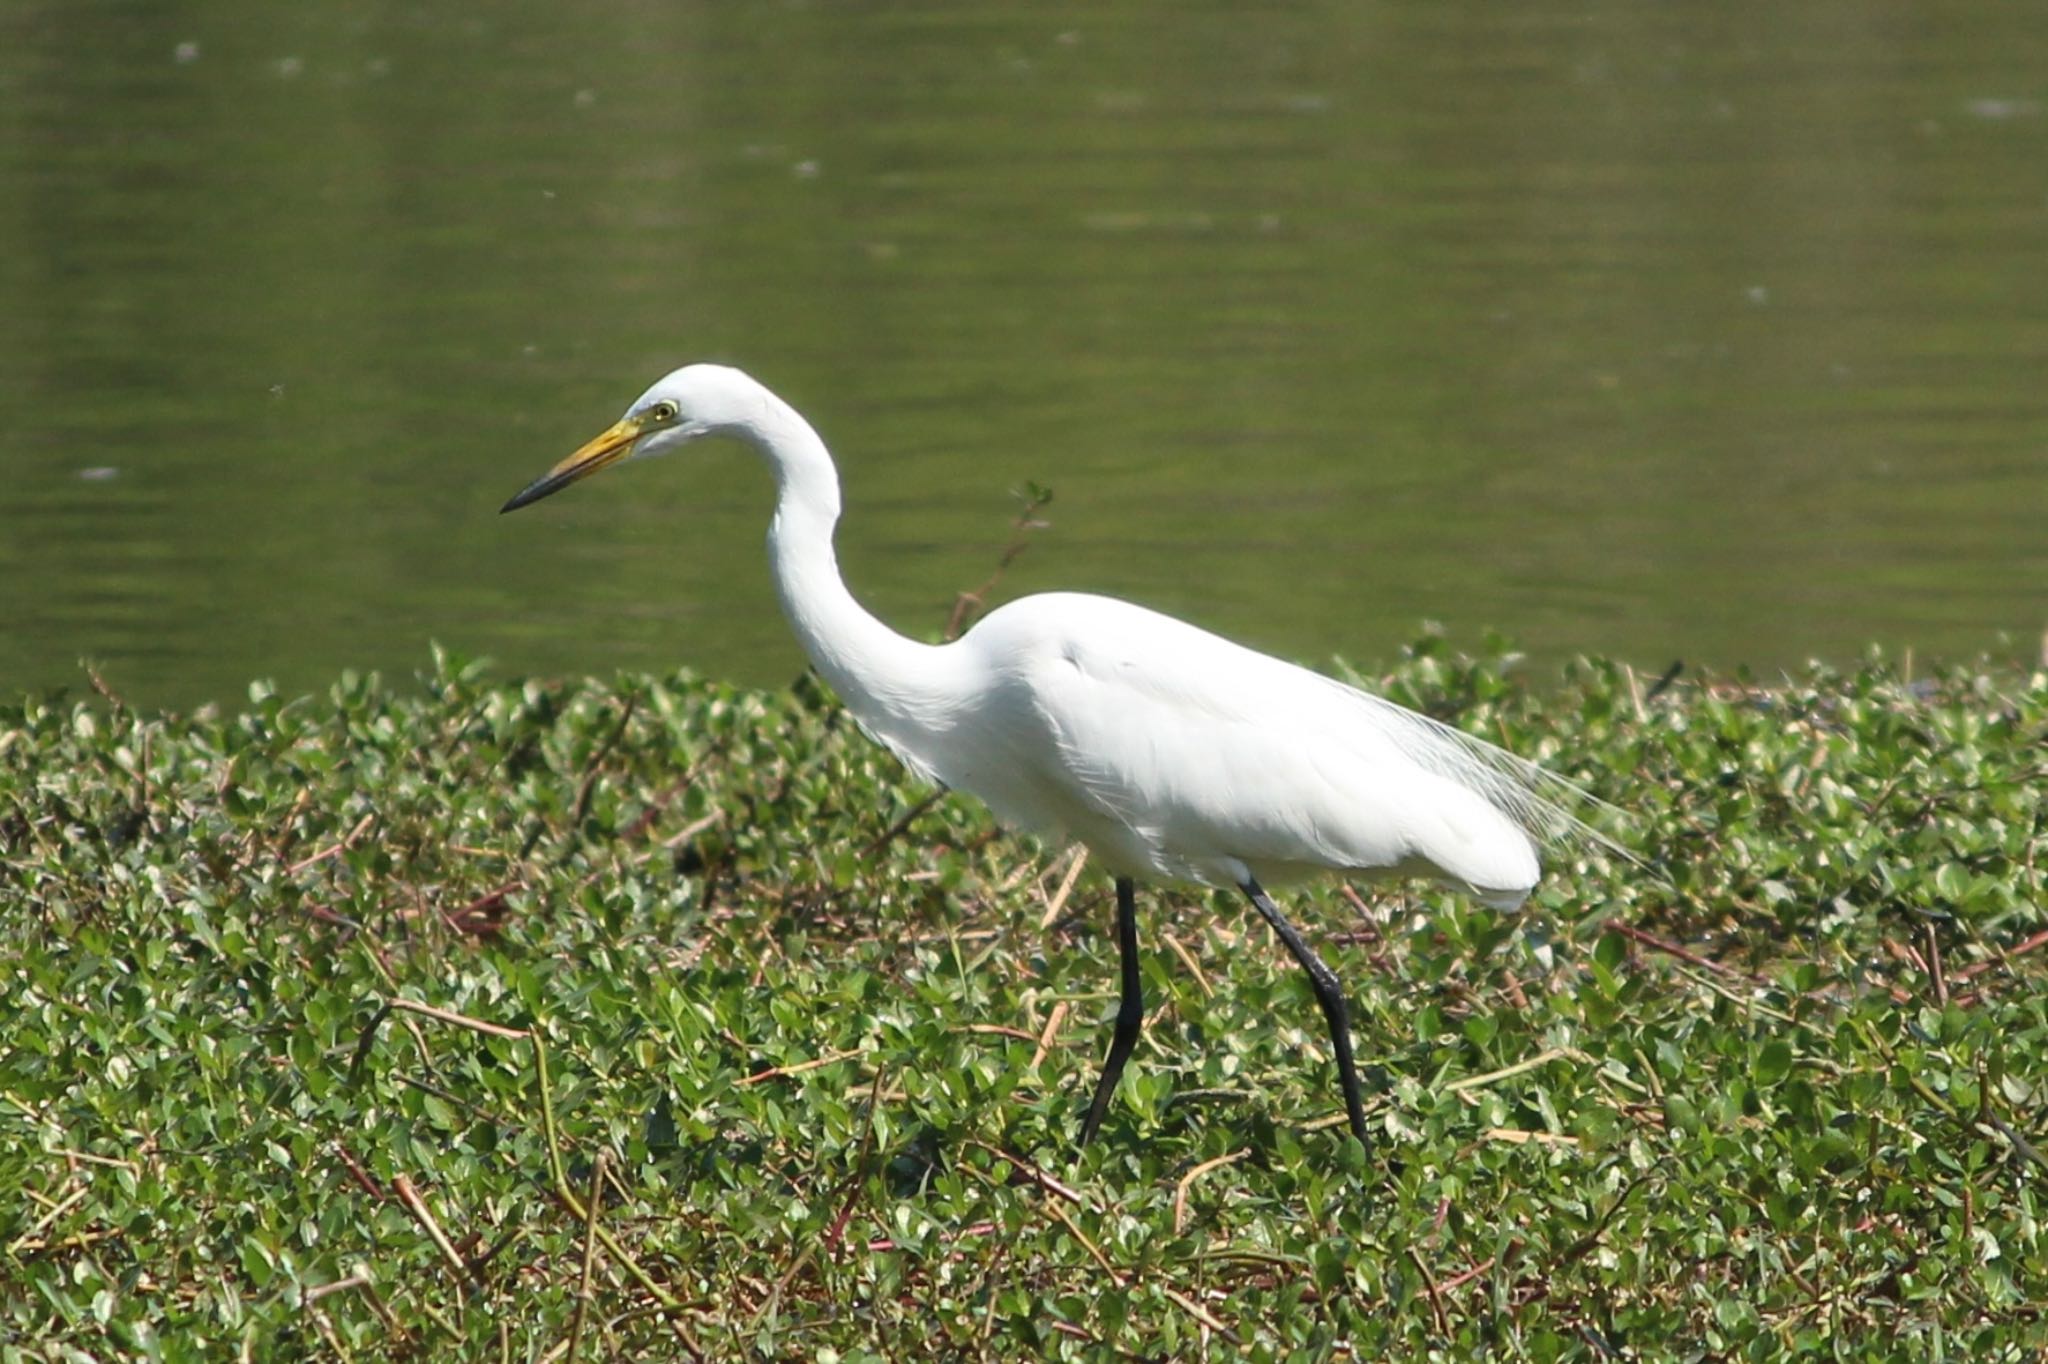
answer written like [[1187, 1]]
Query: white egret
[[1171, 753]]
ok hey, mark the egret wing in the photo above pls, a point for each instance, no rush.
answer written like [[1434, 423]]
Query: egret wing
[[1211, 758]]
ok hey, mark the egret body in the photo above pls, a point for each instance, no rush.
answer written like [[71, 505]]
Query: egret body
[[1169, 752]]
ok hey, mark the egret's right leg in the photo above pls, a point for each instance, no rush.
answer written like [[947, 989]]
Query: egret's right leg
[[1329, 994], [1130, 1013]]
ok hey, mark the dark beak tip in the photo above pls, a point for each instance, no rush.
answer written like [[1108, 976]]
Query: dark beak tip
[[534, 492]]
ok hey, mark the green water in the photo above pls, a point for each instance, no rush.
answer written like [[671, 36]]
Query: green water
[[1713, 332]]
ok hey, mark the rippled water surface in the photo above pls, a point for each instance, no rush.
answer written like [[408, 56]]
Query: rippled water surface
[[1714, 332]]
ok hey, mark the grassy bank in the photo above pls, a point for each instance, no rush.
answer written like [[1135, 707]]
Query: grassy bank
[[462, 1021]]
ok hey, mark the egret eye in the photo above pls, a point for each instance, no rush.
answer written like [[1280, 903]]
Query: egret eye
[[662, 413]]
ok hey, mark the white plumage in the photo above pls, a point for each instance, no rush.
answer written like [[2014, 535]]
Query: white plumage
[[1169, 752], [1173, 753]]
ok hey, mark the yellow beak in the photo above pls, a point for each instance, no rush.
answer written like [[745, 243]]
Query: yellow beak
[[607, 449]]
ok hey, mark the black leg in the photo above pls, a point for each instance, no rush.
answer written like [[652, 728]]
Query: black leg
[[1328, 994], [1130, 1014]]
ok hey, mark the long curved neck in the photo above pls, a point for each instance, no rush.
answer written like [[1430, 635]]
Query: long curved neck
[[877, 672]]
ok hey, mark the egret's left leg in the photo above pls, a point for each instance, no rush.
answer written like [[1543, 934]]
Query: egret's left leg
[[1130, 1012], [1329, 994]]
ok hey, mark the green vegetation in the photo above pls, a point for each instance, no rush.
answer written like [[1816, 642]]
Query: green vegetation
[[470, 1021]]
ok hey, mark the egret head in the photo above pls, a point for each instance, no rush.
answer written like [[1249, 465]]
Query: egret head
[[696, 400]]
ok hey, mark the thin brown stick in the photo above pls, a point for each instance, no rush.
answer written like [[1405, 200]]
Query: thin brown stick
[[1934, 970], [655, 808], [327, 1333], [2019, 1143], [424, 1215], [481, 915], [413, 1006], [1672, 949], [99, 684], [89, 1158], [967, 605], [1093, 1250], [284, 832], [334, 849], [999, 1030], [1026, 867], [1034, 1174], [1180, 1190], [357, 1173], [1518, 1136], [1520, 1067], [1194, 1309], [692, 829], [778, 1072], [1187, 959], [596, 1201], [1436, 1306], [1058, 902], [76, 1197], [1371, 932], [896, 830], [1585, 1243], [2020, 949], [1459, 1280], [855, 1180], [1053, 1023], [359, 1279]]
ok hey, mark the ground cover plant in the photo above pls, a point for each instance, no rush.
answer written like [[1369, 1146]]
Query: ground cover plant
[[465, 1020]]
